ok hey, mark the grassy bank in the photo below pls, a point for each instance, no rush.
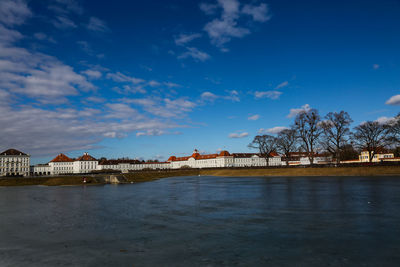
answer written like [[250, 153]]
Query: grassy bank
[[315, 171], [138, 177], [145, 176], [50, 181]]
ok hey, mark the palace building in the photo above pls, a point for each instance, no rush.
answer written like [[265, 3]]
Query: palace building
[[14, 163]]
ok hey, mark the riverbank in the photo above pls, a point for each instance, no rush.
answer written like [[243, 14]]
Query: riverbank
[[146, 176], [308, 171]]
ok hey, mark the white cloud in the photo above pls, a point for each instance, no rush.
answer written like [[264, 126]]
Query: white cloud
[[165, 107], [97, 25], [268, 94], [238, 135], [183, 39], [254, 117], [281, 85], [119, 110], [221, 30], [63, 22], [37, 125], [153, 83], [375, 66], [394, 100], [171, 84], [43, 37], [259, 13], [153, 132], [194, 53], [274, 130], [208, 96], [65, 7], [385, 120], [37, 75], [232, 96], [130, 89], [294, 111], [96, 99], [14, 12], [119, 77], [93, 74], [208, 9], [9, 36]]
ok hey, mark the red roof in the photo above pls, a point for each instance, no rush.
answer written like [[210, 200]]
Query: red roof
[[86, 157], [224, 153], [62, 158]]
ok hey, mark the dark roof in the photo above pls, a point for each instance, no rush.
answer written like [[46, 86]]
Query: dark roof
[[12, 152]]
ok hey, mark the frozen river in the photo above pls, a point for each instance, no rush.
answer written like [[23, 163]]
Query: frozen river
[[204, 221]]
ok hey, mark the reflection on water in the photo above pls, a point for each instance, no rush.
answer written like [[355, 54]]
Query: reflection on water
[[205, 221]]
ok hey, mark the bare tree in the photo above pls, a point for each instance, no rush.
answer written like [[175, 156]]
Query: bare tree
[[394, 130], [336, 132], [266, 144], [286, 142], [371, 136], [308, 129]]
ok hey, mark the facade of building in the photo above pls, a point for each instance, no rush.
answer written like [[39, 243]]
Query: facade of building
[[63, 164], [14, 163], [131, 165], [381, 155], [85, 164], [223, 159], [301, 158]]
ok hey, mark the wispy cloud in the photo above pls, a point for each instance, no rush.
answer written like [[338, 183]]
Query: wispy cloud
[[274, 130], [63, 22], [66, 6], [394, 100], [375, 66], [294, 111], [233, 96], [14, 12], [92, 74], [194, 53], [164, 107], [43, 37], [281, 85], [183, 39], [120, 77], [267, 94], [238, 135], [97, 25], [254, 117], [221, 30]]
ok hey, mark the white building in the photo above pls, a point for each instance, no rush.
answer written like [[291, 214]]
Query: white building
[[131, 165], [14, 163], [301, 158], [224, 159], [61, 165], [85, 164], [41, 169]]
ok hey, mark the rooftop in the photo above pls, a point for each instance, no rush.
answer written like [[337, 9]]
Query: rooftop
[[12, 152]]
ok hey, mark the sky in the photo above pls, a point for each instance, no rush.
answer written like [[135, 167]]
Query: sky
[[151, 79]]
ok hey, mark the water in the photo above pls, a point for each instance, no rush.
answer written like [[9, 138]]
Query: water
[[204, 221]]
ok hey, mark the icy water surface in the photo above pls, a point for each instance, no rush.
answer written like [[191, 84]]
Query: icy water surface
[[204, 221]]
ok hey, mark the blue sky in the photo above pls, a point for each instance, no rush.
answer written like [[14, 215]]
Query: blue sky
[[150, 79]]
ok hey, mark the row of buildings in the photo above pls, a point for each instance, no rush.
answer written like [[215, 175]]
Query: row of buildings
[[17, 163]]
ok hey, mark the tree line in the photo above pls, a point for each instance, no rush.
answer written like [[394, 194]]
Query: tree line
[[310, 133]]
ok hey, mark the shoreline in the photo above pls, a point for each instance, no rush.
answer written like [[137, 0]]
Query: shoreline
[[147, 176]]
